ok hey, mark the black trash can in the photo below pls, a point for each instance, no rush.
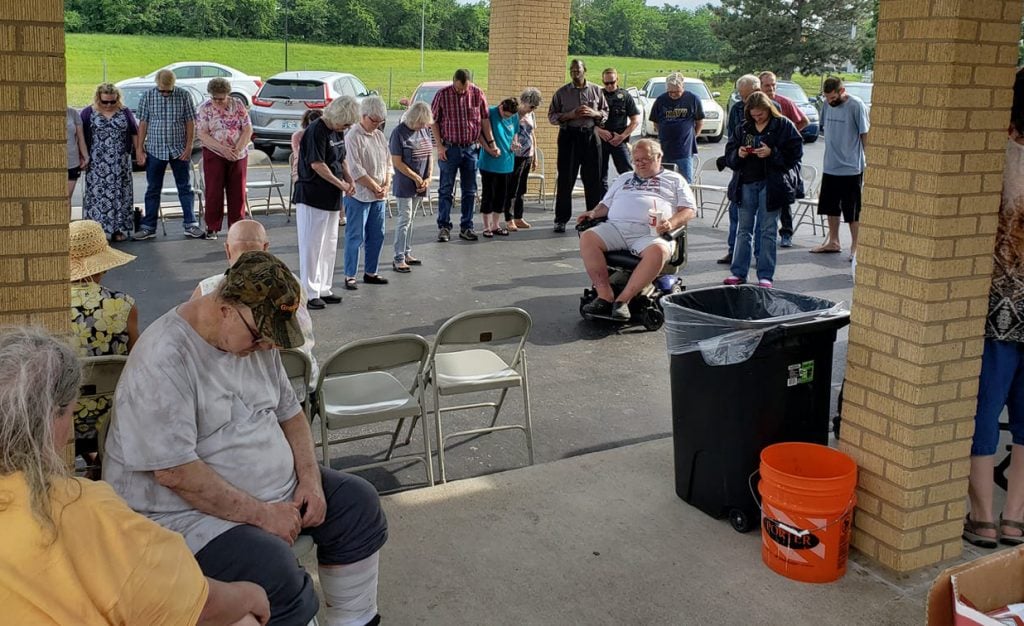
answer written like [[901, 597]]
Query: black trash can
[[749, 367]]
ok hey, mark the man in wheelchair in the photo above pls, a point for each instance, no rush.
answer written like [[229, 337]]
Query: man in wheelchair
[[627, 209]]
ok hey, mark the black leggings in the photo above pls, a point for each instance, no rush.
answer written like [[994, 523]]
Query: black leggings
[[517, 188]]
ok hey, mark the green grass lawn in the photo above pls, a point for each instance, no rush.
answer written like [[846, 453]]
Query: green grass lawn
[[394, 73]]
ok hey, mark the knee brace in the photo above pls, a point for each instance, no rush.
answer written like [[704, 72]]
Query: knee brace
[[350, 591]]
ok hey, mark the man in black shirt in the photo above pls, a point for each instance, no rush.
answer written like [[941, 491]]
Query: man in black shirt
[[623, 118]]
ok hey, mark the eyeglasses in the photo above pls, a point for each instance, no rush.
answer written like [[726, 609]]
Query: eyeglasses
[[165, 90], [219, 98], [256, 336], [108, 102], [609, 83], [644, 160], [376, 120]]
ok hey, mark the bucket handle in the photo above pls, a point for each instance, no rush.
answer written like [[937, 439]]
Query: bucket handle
[[786, 527]]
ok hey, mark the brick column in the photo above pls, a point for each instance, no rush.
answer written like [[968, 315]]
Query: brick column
[[529, 40], [931, 196], [33, 166]]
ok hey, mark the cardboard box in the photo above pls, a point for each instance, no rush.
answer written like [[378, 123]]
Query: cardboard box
[[988, 583]]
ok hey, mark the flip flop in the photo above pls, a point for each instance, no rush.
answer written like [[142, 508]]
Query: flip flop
[[1011, 540], [823, 250], [487, 234], [502, 231], [350, 284], [971, 536]]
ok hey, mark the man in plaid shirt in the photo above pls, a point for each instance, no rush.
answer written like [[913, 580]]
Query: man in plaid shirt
[[460, 122], [166, 128]]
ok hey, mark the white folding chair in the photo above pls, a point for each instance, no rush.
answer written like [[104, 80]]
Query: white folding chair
[[258, 161], [473, 370], [357, 386], [700, 188], [807, 207], [99, 381], [299, 370], [538, 174]]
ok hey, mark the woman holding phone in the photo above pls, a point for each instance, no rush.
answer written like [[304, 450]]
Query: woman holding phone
[[765, 160]]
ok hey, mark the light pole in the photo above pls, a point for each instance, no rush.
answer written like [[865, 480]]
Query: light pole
[[285, 4], [423, 31]]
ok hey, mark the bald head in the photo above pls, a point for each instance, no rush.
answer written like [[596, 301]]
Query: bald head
[[245, 236]]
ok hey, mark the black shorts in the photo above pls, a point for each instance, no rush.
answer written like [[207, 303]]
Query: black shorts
[[840, 195], [74, 173]]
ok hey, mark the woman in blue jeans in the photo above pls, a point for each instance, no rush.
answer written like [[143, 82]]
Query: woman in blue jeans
[[765, 159], [369, 163]]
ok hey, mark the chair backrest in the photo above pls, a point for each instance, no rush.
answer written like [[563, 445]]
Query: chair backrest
[[99, 379], [377, 353], [485, 326], [299, 371], [810, 175], [538, 155]]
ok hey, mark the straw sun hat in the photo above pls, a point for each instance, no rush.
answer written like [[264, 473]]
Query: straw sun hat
[[90, 254]]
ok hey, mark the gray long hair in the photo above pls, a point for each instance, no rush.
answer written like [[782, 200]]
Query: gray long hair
[[418, 113], [373, 106], [41, 376]]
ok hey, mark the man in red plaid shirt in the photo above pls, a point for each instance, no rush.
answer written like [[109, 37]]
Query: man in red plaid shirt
[[461, 124]]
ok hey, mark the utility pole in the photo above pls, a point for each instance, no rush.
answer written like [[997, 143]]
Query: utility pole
[[285, 4], [423, 32]]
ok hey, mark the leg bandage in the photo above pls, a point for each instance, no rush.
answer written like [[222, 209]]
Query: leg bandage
[[350, 591]]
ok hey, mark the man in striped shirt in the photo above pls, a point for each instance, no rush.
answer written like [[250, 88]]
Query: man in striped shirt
[[460, 123], [167, 129]]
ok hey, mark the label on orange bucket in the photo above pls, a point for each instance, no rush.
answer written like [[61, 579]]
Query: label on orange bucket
[[809, 549]]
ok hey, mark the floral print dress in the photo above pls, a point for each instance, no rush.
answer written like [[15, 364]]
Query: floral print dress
[[99, 323], [108, 181]]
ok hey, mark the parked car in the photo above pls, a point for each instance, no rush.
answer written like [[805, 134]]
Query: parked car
[[277, 108], [198, 73], [131, 94], [714, 116], [797, 94], [425, 92]]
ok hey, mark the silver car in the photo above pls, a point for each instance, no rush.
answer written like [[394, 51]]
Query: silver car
[[132, 92], [277, 109]]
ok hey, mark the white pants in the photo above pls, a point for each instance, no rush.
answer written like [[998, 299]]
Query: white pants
[[318, 248]]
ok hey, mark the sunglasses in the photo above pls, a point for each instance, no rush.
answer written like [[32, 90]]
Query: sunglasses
[[165, 90], [108, 102], [610, 82], [256, 336]]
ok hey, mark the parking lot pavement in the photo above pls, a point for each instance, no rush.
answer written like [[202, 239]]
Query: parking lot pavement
[[592, 386]]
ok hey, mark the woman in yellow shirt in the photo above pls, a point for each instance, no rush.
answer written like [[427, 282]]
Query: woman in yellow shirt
[[73, 552]]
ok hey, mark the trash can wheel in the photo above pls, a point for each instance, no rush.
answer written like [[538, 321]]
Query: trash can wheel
[[740, 521]]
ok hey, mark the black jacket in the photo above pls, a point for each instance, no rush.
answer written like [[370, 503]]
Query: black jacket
[[783, 164]]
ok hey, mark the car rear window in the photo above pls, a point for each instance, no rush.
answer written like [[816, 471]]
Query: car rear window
[[293, 90], [130, 96], [792, 91]]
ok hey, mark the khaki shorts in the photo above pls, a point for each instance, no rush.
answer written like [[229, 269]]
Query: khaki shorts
[[629, 236]]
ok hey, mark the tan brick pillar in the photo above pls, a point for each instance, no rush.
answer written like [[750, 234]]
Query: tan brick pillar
[[942, 95], [529, 40], [33, 166]]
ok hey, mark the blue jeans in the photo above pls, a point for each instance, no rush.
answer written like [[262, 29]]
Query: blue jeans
[[461, 161], [1001, 384], [754, 208], [155, 169], [684, 166], [364, 227], [403, 230], [734, 222]]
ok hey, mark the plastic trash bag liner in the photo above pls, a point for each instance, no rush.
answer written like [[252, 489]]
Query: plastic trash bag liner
[[727, 323]]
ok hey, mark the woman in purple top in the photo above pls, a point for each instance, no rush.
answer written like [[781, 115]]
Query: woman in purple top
[[410, 147]]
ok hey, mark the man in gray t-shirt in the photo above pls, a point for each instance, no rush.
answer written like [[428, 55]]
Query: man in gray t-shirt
[[846, 119], [209, 440]]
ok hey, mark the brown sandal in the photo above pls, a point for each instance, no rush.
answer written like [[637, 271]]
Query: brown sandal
[[971, 536], [1011, 540]]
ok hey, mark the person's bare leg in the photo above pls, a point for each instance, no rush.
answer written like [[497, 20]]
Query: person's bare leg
[[652, 259], [592, 251], [854, 229], [832, 239], [1013, 509], [979, 491]]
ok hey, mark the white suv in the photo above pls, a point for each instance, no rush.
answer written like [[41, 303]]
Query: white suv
[[198, 73]]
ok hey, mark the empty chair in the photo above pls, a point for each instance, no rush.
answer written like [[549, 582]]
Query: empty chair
[[807, 207], [358, 386], [476, 369], [700, 188], [271, 183], [99, 381], [538, 174]]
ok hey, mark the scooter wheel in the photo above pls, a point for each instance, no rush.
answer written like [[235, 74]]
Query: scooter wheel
[[653, 319]]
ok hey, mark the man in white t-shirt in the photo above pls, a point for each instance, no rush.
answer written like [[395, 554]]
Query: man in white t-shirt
[[627, 206]]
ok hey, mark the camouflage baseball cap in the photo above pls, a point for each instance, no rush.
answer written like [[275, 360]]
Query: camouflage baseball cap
[[260, 281]]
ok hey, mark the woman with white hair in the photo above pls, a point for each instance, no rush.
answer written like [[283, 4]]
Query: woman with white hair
[[60, 531], [322, 177], [411, 147], [524, 149], [369, 162]]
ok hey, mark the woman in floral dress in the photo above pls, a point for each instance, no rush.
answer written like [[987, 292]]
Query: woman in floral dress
[[111, 136], [103, 321]]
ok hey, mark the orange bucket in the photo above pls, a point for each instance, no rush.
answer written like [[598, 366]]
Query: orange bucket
[[807, 500]]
